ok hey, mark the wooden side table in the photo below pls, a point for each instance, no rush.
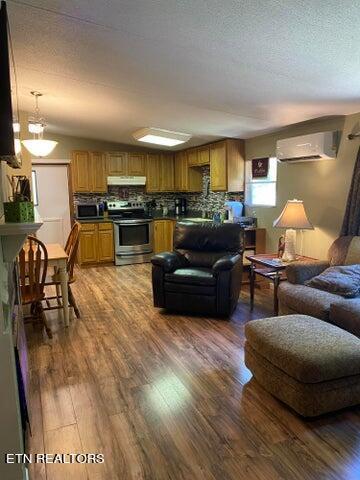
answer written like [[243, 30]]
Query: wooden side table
[[269, 266]]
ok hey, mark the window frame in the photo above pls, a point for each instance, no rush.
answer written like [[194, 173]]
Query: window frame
[[270, 179]]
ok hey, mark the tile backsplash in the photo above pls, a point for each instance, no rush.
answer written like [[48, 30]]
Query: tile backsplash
[[206, 200]]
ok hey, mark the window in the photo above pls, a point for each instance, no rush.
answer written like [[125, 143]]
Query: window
[[261, 191]]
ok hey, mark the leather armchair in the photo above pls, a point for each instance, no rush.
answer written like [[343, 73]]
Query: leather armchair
[[203, 273]]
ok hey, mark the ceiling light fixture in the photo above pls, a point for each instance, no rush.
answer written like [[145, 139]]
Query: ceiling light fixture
[[161, 137], [37, 146]]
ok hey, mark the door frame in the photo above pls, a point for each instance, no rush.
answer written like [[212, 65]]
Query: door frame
[[50, 161]]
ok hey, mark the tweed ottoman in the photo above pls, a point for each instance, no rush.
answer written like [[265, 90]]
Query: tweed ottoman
[[309, 364]]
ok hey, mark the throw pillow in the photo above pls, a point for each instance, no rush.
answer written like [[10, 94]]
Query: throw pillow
[[342, 280]]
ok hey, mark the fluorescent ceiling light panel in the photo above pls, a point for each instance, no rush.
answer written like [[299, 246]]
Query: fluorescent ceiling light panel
[[161, 137]]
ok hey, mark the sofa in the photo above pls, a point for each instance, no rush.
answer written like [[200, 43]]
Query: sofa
[[203, 273], [295, 297]]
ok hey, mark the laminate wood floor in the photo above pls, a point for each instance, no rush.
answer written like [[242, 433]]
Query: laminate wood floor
[[168, 396]]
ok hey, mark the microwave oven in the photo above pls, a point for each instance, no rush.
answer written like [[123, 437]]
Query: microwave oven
[[89, 210]]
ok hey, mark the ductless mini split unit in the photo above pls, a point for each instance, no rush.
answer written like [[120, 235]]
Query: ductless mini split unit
[[308, 148]]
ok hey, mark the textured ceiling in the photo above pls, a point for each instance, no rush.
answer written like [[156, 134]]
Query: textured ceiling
[[210, 68]]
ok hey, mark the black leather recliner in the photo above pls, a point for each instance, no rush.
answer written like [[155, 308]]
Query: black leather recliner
[[203, 273]]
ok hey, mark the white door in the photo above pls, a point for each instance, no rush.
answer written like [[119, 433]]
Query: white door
[[51, 194]]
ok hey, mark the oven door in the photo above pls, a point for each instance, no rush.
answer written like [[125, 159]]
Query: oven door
[[133, 236]]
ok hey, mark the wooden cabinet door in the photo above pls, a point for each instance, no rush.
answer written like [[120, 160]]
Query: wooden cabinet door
[[136, 164], [153, 172], [105, 242], [88, 244], [167, 172], [169, 235], [80, 171], [116, 163], [180, 172], [192, 156], [218, 167], [98, 172], [160, 236], [203, 156]]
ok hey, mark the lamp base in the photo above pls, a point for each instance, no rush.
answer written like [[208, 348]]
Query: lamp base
[[290, 246]]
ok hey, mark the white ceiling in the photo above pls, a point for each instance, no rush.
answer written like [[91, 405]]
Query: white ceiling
[[211, 68]]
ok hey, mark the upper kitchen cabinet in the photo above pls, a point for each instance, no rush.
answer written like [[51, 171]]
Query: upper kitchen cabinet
[[203, 156], [160, 172], [167, 176], [136, 164], [98, 172], [80, 171], [153, 172], [123, 163], [186, 179], [192, 157], [116, 163], [88, 171], [227, 166]]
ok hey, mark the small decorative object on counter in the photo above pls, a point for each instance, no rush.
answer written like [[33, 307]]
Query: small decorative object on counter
[[165, 210], [281, 246], [20, 209], [217, 217]]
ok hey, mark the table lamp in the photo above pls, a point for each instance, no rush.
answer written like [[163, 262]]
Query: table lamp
[[293, 217]]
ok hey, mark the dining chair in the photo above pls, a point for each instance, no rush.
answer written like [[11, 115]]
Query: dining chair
[[33, 262], [71, 248]]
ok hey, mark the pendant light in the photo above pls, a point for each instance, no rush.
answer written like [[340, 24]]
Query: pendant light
[[37, 146]]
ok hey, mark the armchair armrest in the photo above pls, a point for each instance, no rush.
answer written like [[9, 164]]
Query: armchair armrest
[[168, 261], [227, 262], [299, 272]]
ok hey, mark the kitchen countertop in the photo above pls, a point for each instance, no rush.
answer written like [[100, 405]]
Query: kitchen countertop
[[157, 215]]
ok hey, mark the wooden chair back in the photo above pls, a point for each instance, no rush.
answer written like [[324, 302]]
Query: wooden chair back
[[33, 262], [71, 248]]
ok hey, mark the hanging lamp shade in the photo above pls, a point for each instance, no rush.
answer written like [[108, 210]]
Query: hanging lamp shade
[[7, 144], [39, 147]]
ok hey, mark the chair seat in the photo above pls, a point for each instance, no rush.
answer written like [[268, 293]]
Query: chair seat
[[28, 296], [192, 276]]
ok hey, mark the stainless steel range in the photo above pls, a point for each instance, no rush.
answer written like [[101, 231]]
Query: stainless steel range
[[133, 232]]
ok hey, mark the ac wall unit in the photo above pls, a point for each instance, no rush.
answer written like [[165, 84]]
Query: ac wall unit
[[308, 148]]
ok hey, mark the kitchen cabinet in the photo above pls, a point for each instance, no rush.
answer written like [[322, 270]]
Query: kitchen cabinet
[[96, 243], [192, 156], [126, 163], [98, 180], [218, 166], [153, 173], [187, 179], [136, 164], [167, 180], [160, 173], [80, 171], [203, 156], [227, 166], [105, 242], [116, 163], [88, 171], [163, 235]]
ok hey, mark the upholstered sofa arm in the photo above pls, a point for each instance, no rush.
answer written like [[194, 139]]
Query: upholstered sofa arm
[[168, 261], [299, 272], [227, 262]]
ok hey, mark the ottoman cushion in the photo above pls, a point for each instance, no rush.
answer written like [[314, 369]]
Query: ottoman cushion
[[309, 364], [307, 399], [305, 348]]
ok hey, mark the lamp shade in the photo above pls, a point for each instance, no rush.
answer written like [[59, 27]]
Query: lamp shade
[[293, 216], [39, 147]]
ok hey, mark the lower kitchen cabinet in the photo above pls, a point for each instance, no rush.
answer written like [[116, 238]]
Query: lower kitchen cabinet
[[96, 243], [163, 235]]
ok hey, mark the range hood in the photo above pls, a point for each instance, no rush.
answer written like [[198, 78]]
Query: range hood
[[126, 180]]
